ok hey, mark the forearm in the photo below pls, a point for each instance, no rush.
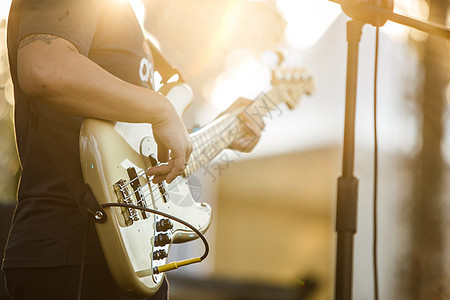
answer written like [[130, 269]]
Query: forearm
[[52, 70], [74, 84]]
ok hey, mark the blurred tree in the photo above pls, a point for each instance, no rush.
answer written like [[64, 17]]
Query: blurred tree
[[427, 276]]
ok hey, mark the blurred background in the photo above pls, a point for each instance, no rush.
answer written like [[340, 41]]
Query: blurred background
[[272, 235]]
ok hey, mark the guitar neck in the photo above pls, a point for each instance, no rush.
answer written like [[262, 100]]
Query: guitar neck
[[218, 135]]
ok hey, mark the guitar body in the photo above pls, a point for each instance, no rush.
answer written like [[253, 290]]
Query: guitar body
[[114, 157]]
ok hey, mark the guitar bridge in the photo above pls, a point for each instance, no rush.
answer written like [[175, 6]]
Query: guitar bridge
[[136, 191], [137, 188], [161, 186], [124, 196]]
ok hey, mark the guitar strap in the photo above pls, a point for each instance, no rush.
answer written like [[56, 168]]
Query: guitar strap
[[79, 190], [164, 68]]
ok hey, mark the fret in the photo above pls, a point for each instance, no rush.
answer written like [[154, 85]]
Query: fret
[[263, 106], [209, 141], [218, 135], [212, 139]]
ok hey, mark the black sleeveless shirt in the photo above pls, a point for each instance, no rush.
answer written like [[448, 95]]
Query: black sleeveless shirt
[[48, 228]]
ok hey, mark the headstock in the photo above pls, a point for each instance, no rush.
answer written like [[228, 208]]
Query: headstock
[[291, 83]]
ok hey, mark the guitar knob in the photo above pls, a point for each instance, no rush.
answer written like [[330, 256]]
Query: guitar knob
[[163, 225], [162, 239], [159, 254]]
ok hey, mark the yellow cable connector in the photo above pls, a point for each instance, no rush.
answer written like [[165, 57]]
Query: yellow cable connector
[[176, 265]]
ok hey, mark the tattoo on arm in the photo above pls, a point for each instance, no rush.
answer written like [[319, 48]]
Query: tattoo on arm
[[46, 38]]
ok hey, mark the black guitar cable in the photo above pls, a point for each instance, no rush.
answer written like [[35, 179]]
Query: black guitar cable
[[176, 264], [156, 270]]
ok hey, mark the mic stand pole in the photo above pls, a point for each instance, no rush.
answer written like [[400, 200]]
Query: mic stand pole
[[346, 211], [348, 184]]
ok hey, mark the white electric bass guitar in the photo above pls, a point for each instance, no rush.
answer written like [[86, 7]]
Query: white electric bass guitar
[[114, 158]]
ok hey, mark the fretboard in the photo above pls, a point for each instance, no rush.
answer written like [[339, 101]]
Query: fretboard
[[218, 135]]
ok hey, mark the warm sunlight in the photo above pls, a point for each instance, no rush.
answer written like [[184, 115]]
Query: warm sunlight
[[138, 7], [307, 20], [244, 76], [4, 9], [416, 9]]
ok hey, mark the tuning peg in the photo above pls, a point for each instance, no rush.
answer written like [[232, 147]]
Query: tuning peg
[[273, 58], [280, 55], [307, 80]]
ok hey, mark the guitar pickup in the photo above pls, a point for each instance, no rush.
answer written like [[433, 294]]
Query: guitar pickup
[[161, 186], [124, 196], [137, 188]]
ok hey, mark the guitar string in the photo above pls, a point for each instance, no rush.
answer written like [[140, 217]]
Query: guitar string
[[145, 186], [144, 197], [203, 141], [133, 212], [206, 148], [205, 144], [151, 191], [140, 188], [220, 127], [229, 122], [200, 146], [153, 188]]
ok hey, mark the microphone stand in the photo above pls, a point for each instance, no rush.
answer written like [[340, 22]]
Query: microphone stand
[[361, 13]]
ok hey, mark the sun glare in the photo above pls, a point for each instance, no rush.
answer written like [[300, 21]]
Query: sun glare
[[418, 9], [138, 7], [307, 20], [139, 10], [4, 9], [244, 76]]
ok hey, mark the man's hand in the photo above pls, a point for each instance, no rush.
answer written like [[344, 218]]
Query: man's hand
[[174, 148], [252, 126]]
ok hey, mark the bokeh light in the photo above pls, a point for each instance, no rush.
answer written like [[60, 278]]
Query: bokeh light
[[4, 9], [307, 20], [244, 76], [418, 9]]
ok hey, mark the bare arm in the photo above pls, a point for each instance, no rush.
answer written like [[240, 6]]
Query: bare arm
[[52, 70]]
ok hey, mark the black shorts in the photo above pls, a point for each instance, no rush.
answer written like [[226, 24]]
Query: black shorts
[[62, 283]]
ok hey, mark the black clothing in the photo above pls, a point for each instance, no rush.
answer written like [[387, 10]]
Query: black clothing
[[48, 228], [62, 283]]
